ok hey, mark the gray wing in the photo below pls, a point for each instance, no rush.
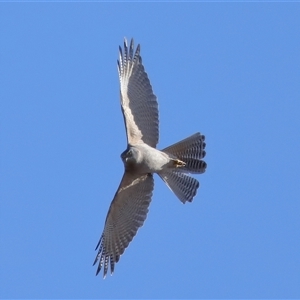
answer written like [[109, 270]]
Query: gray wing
[[126, 214], [139, 104]]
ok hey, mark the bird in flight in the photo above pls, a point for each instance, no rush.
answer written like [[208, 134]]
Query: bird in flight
[[174, 164]]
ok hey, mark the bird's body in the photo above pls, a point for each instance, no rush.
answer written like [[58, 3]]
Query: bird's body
[[144, 159], [174, 164]]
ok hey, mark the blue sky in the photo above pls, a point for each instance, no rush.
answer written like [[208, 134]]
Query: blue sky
[[228, 70]]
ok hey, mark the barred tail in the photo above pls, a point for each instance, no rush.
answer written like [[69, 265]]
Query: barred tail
[[191, 151], [181, 184]]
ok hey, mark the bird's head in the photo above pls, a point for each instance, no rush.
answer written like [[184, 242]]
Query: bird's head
[[130, 156]]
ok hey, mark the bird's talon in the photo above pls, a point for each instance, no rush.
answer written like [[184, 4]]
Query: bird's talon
[[179, 163]]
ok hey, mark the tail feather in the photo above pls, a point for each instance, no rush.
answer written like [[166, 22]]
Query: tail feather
[[190, 150], [183, 186], [195, 166]]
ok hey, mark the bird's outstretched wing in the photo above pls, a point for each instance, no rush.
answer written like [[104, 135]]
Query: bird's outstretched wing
[[126, 214], [139, 104]]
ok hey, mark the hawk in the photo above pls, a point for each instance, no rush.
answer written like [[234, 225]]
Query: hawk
[[174, 164]]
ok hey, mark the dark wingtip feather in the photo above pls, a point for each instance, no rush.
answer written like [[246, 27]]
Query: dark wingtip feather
[[98, 244], [100, 240], [137, 56], [112, 264], [95, 261], [131, 44], [98, 270], [138, 50]]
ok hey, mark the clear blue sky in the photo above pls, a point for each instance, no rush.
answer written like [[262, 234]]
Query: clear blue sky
[[228, 70]]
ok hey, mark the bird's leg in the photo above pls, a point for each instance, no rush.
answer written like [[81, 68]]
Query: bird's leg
[[178, 163]]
